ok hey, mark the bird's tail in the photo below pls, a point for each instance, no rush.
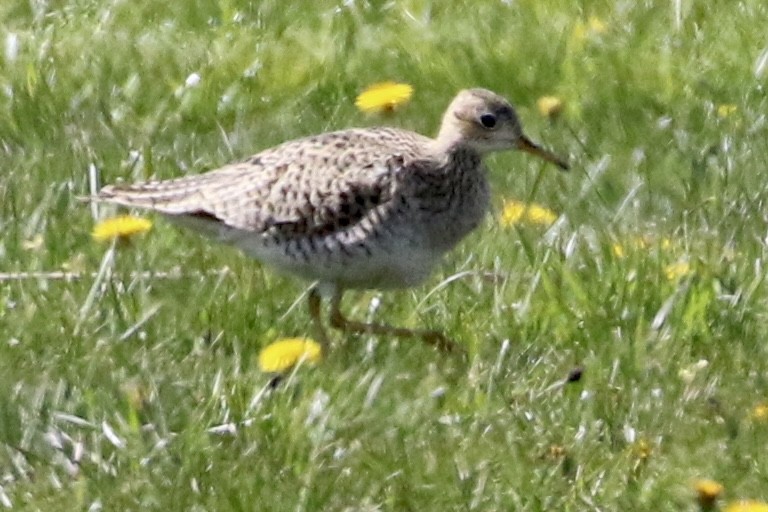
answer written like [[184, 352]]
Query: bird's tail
[[171, 197]]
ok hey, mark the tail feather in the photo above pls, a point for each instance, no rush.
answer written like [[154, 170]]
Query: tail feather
[[172, 197]]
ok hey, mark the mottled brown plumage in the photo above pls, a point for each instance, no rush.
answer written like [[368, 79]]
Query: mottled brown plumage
[[359, 208]]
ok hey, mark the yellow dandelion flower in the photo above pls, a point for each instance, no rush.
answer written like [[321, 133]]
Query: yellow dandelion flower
[[516, 212], [620, 249], [284, 354], [579, 31], [639, 243], [760, 412], [594, 26], [707, 492], [677, 270], [746, 506], [641, 449], [550, 106], [384, 97], [122, 227], [726, 110]]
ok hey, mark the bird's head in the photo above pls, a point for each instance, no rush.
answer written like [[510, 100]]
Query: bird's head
[[484, 122]]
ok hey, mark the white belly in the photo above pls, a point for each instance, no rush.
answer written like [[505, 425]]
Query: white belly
[[376, 267]]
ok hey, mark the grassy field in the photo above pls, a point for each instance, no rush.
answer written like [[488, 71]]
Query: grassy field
[[141, 391]]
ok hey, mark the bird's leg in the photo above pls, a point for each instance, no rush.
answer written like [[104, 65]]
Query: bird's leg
[[434, 338], [314, 303]]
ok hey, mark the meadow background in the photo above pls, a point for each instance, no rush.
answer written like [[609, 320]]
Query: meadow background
[[137, 391]]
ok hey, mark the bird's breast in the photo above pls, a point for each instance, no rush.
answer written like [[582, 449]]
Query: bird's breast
[[450, 211]]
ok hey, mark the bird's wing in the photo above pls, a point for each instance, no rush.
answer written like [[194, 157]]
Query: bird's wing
[[308, 186]]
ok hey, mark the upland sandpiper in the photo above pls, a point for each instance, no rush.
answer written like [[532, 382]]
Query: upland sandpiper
[[353, 209]]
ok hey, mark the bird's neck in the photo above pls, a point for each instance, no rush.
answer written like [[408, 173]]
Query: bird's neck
[[456, 152], [463, 157]]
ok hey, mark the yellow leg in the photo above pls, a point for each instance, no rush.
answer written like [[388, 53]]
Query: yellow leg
[[434, 338], [314, 303]]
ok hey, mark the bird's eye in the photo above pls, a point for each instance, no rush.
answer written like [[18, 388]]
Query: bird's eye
[[488, 120]]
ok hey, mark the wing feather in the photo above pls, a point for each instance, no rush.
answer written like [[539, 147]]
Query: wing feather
[[303, 187]]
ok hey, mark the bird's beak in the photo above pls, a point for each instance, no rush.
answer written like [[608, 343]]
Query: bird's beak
[[527, 145]]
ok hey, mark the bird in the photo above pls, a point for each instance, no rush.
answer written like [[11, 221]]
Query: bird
[[360, 208]]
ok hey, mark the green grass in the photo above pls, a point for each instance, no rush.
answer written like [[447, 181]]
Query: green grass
[[128, 376]]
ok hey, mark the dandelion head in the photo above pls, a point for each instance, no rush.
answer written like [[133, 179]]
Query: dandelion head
[[620, 249], [594, 26], [726, 110], [284, 354], [516, 212], [384, 97], [122, 228], [746, 506], [550, 106], [760, 412], [677, 270], [707, 492], [641, 449], [641, 243]]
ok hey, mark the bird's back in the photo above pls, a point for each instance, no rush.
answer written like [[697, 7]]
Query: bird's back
[[297, 179]]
